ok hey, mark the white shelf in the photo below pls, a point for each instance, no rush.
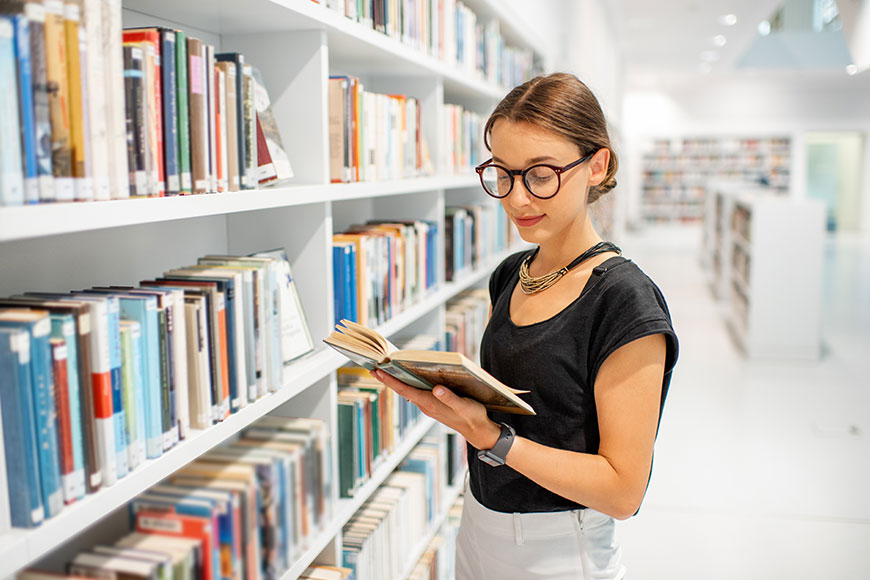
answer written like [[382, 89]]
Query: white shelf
[[347, 507], [46, 219]]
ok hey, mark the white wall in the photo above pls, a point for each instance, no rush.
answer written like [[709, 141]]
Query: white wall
[[749, 105]]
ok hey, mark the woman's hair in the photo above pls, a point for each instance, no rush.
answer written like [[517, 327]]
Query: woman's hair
[[562, 104]]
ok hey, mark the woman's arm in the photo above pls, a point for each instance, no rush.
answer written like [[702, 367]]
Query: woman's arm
[[627, 395]]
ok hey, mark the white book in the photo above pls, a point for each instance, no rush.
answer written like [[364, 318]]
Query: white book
[[11, 169], [211, 103], [116, 119], [94, 68], [199, 389], [179, 348], [221, 87]]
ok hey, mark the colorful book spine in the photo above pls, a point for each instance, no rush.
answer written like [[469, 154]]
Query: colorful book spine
[[25, 102], [197, 94], [183, 127], [78, 112], [134, 91], [170, 111], [249, 113], [56, 76], [64, 422], [122, 453], [35, 13], [211, 117], [134, 389], [237, 112], [63, 328], [19, 430], [11, 168]]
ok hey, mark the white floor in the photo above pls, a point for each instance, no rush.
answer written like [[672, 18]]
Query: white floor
[[762, 470]]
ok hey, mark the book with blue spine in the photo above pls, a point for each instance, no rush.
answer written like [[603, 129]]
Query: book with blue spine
[[351, 298], [133, 390], [170, 111], [19, 429], [338, 281], [38, 324], [11, 169], [35, 13], [25, 101], [63, 327]]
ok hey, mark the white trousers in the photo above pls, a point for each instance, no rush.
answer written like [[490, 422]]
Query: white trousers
[[575, 545]]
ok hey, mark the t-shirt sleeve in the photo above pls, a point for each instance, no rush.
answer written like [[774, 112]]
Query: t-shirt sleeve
[[632, 307], [502, 274]]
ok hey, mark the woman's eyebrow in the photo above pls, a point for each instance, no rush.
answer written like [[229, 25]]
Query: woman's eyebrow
[[531, 161]]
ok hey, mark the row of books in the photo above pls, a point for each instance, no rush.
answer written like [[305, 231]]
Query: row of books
[[466, 318], [381, 268], [438, 560], [93, 112], [465, 148], [473, 233], [97, 381], [373, 136], [448, 30], [242, 511], [377, 540]]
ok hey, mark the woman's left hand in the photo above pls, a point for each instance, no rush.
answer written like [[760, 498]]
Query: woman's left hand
[[462, 414]]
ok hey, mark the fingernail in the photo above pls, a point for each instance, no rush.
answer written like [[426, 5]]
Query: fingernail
[[437, 391]]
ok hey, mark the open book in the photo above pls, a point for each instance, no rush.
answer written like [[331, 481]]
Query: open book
[[424, 369]]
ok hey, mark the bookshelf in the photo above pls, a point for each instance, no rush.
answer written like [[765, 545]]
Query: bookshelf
[[676, 172], [296, 44], [774, 274]]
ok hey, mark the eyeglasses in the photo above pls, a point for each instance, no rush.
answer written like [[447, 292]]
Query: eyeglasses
[[542, 181]]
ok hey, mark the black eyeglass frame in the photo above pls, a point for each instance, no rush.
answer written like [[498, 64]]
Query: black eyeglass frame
[[524, 172]]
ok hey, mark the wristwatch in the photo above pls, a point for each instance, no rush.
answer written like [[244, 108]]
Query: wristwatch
[[496, 456]]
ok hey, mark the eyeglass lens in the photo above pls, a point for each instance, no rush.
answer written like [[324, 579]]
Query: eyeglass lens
[[540, 180]]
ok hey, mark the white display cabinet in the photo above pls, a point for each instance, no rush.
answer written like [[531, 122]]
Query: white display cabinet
[[775, 278], [296, 44]]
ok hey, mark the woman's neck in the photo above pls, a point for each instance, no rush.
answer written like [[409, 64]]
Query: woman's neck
[[563, 249]]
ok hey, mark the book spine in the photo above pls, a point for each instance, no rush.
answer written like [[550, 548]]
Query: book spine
[[221, 128], [134, 90], [179, 349], [82, 183], [265, 168], [153, 385], [198, 123], [56, 76], [224, 359], [35, 13], [19, 431], [116, 119], [250, 126], [156, 183], [131, 410], [102, 387], [240, 121], [64, 426], [25, 101], [122, 453], [338, 283], [232, 125], [11, 167], [170, 112], [45, 414], [91, 448], [63, 328], [137, 368], [94, 68], [166, 403], [211, 104], [181, 92]]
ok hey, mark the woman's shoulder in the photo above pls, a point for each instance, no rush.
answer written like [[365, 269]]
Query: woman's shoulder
[[506, 271], [623, 283]]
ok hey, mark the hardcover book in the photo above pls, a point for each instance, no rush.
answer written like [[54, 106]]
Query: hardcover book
[[425, 369]]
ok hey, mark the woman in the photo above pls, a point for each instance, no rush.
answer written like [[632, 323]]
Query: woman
[[580, 327]]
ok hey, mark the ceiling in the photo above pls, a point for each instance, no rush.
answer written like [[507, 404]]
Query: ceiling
[[677, 36]]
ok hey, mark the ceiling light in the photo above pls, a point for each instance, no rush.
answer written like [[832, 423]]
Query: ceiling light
[[728, 20], [764, 28], [852, 69], [709, 56], [720, 40]]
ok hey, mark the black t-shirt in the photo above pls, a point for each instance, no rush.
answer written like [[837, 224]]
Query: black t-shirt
[[557, 360]]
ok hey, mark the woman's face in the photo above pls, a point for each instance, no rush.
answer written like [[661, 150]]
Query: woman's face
[[521, 145]]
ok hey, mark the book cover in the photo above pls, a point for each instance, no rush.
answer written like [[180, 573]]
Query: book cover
[[64, 426], [182, 99], [89, 564], [172, 524], [35, 13], [64, 341], [58, 99], [19, 430], [169, 85], [425, 369], [197, 94], [163, 560], [265, 168], [272, 136], [11, 167], [198, 362], [186, 552], [38, 326]]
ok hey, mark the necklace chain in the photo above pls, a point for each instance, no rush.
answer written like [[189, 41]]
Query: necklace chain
[[532, 285]]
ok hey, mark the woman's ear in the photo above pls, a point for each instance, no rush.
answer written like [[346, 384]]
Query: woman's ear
[[598, 165]]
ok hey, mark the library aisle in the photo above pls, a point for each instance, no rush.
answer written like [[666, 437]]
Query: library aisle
[[761, 468]]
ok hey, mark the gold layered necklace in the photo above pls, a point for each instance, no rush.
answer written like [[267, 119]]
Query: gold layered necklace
[[532, 285]]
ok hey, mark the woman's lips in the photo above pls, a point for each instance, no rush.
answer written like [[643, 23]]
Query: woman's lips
[[526, 222]]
